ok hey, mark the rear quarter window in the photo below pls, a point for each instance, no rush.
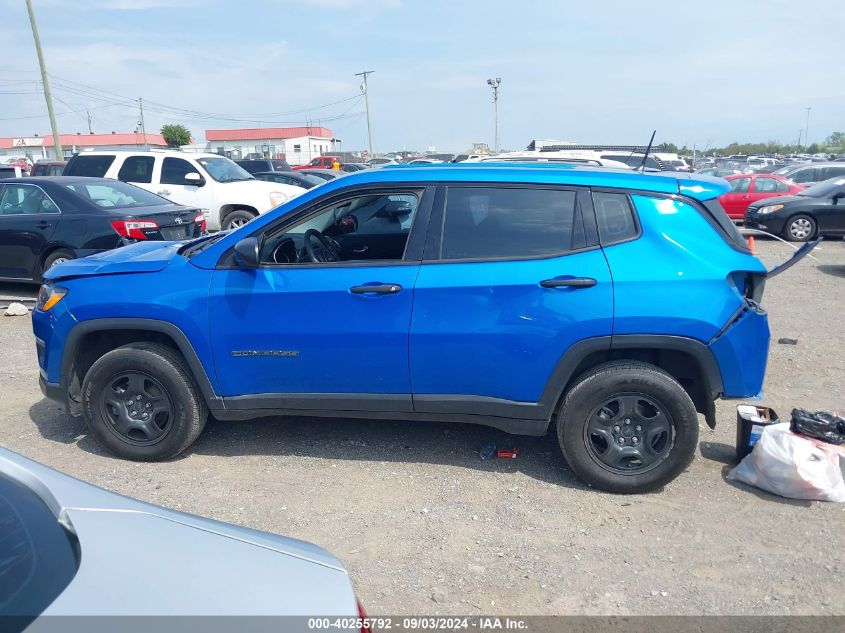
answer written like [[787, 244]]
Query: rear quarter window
[[615, 217], [89, 166]]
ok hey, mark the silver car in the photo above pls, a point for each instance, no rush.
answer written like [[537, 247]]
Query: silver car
[[70, 548]]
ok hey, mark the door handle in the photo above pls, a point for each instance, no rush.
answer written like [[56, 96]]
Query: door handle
[[363, 249], [571, 282], [379, 289], [163, 192], [43, 224]]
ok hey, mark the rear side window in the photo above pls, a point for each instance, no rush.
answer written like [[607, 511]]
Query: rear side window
[[89, 166], [500, 223], [804, 175], [137, 169], [615, 217], [770, 185]]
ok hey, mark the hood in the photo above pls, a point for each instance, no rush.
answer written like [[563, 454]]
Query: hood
[[765, 202], [141, 257]]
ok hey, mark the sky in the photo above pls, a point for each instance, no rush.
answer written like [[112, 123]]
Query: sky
[[701, 73]]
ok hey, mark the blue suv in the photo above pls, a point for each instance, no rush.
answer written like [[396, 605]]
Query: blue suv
[[612, 305]]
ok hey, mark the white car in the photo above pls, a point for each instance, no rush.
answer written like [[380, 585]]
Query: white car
[[227, 194]]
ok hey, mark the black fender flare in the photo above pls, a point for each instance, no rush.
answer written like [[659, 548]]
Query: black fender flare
[[143, 325]]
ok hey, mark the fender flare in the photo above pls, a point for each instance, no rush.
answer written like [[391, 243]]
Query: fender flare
[[143, 325]]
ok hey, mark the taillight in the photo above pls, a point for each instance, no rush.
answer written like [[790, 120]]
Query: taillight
[[134, 229], [199, 218], [362, 614]]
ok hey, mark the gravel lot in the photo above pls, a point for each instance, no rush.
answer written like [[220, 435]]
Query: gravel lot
[[426, 527]]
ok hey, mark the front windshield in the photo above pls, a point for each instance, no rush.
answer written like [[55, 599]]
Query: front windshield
[[823, 189], [223, 170]]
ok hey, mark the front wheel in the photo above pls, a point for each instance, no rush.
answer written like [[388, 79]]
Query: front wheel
[[627, 427], [59, 256], [800, 228], [141, 402]]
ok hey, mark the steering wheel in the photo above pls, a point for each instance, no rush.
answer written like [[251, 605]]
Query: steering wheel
[[326, 250]]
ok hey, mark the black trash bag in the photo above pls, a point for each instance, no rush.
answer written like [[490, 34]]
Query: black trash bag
[[820, 425]]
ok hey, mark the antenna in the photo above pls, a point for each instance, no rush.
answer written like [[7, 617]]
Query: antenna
[[647, 152]]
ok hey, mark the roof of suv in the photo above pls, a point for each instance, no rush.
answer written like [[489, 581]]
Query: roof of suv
[[141, 150], [695, 186]]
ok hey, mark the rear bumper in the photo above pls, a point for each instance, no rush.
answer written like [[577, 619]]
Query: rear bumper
[[742, 352]]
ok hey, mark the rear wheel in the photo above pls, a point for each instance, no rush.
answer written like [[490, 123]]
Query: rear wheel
[[141, 402], [237, 218], [58, 257], [627, 427], [800, 228]]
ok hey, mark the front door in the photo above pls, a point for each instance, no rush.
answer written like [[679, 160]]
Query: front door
[[28, 218], [515, 279], [171, 184], [323, 322]]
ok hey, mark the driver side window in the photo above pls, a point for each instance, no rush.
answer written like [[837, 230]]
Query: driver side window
[[369, 227]]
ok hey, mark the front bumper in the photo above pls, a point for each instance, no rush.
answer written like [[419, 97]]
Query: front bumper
[[770, 222], [52, 390]]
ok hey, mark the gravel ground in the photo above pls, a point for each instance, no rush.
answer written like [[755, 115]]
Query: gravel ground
[[426, 527]]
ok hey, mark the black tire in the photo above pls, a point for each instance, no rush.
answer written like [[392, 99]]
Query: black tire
[[589, 405], [800, 228], [57, 257], [237, 218], [167, 383]]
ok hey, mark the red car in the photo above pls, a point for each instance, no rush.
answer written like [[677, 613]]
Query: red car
[[748, 188], [321, 162]]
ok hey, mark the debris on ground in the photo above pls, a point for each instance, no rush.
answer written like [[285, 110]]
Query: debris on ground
[[788, 341], [827, 427], [507, 453], [16, 309], [487, 452], [793, 466]]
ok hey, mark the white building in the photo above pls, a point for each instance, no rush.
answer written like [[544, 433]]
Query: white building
[[298, 145]]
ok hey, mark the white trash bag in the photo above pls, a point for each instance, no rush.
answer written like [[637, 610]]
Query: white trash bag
[[793, 466]]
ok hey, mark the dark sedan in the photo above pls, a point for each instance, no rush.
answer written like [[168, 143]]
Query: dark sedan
[[818, 210], [295, 178], [48, 220]]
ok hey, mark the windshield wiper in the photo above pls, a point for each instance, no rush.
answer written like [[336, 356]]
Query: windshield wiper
[[200, 244]]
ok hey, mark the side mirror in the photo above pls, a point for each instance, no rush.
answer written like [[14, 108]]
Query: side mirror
[[194, 179], [246, 253]]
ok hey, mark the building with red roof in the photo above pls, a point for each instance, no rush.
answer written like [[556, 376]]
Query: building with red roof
[[298, 145], [42, 147]]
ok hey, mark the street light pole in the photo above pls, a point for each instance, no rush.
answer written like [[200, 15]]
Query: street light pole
[[807, 129], [367, 107], [494, 84], [57, 141]]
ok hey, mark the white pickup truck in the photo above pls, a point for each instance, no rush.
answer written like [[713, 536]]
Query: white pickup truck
[[227, 194]]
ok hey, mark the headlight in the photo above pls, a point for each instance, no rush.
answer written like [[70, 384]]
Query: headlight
[[49, 296], [277, 198], [770, 209]]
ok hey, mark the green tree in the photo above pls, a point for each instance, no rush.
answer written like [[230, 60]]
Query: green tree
[[176, 135], [837, 139]]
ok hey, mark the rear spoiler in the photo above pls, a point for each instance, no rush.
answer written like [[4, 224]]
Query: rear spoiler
[[800, 254]]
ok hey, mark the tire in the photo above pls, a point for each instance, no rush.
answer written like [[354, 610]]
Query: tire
[[57, 257], [593, 416], [177, 411], [236, 219], [800, 228]]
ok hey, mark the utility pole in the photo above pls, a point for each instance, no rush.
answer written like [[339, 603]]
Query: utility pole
[[141, 122], [807, 129], [57, 141], [367, 107], [494, 84], [90, 129]]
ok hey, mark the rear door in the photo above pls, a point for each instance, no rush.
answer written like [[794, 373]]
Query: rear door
[[28, 217], [512, 278], [765, 187]]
